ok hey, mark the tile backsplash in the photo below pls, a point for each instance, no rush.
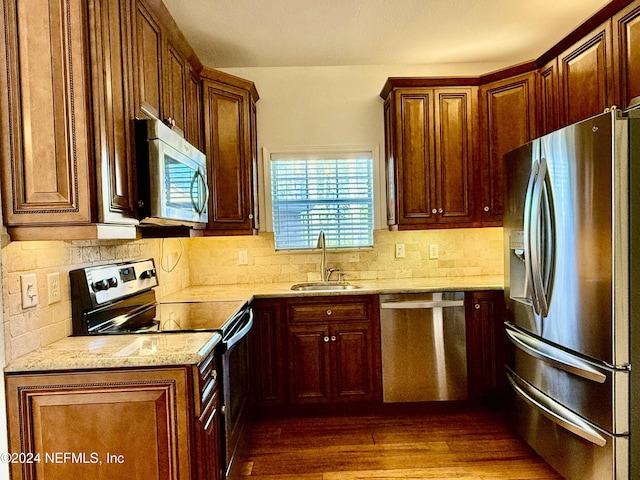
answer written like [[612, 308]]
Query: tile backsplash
[[216, 261]]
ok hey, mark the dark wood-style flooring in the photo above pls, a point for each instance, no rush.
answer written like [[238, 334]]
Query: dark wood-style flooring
[[476, 445]]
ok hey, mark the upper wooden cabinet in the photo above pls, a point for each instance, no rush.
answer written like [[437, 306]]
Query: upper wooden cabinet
[[626, 40], [64, 122], [430, 135], [164, 80], [586, 76], [508, 120], [547, 95], [230, 145]]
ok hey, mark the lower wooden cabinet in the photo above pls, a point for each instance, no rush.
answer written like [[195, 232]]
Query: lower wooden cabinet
[[139, 424], [485, 344], [334, 349]]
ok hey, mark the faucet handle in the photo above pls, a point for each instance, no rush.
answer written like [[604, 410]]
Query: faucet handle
[[331, 270]]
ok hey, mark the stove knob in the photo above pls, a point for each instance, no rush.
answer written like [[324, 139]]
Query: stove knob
[[148, 273], [101, 285], [113, 282]]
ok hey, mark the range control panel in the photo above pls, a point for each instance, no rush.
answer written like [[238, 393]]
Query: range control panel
[[107, 283]]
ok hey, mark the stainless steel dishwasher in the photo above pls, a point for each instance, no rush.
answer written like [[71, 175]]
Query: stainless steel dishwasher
[[424, 353]]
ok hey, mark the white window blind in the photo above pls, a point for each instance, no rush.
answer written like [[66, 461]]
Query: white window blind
[[322, 192]]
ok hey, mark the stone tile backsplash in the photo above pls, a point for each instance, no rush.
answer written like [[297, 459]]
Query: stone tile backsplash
[[215, 261]]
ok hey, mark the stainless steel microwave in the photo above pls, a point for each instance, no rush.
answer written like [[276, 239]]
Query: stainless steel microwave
[[172, 177]]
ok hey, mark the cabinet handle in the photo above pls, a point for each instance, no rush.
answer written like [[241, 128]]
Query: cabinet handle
[[333, 338], [329, 312], [477, 306], [486, 209], [326, 339]]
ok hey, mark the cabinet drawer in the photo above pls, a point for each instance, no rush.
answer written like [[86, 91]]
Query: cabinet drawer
[[328, 310], [205, 381]]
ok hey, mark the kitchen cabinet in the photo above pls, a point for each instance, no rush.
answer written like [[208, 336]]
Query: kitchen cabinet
[[547, 98], [117, 424], [230, 145], [586, 76], [507, 119], [334, 350], [164, 75], [65, 136], [626, 38], [138, 423], [430, 147], [485, 344], [269, 352]]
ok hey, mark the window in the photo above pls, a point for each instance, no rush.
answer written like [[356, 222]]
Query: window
[[324, 191]]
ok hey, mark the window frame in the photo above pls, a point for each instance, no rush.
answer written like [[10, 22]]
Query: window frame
[[379, 202]]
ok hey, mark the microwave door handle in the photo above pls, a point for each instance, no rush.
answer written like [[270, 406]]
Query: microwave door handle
[[205, 189], [194, 179]]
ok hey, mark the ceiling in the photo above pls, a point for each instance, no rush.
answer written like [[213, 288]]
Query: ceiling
[[277, 33]]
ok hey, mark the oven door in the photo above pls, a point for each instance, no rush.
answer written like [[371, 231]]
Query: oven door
[[236, 386]]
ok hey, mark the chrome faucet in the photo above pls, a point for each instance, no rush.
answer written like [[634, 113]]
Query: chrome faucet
[[323, 260]]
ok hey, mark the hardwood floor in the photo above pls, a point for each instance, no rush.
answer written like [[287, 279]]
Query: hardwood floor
[[464, 446]]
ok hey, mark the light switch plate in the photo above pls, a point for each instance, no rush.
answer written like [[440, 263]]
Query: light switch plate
[[242, 258], [29, 288]]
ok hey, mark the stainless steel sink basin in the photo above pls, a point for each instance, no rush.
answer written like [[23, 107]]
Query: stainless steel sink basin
[[323, 286]]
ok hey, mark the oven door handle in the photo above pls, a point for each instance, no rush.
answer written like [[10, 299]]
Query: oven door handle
[[236, 337]]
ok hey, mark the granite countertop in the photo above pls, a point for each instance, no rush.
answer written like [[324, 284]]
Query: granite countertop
[[247, 292], [118, 351]]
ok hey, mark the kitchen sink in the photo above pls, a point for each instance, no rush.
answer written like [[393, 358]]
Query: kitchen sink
[[323, 286]]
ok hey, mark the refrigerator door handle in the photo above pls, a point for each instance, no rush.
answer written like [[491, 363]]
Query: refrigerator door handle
[[530, 287], [554, 356], [537, 239], [554, 411]]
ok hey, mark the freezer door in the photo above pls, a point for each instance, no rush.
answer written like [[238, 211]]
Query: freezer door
[[577, 449], [593, 391], [566, 241]]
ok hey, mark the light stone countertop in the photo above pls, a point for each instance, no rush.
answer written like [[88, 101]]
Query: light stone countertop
[[247, 292], [118, 351]]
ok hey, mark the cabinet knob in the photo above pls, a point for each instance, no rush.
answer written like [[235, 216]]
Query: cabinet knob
[[477, 306], [440, 210], [434, 211], [486, 209], [329, 312], [326, 339], [251, 216], [333, 338]]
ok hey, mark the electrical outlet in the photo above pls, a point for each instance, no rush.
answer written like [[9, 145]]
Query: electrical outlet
[[433, 251], [399, 250], [53, 285], [29, 288], [242, 258]]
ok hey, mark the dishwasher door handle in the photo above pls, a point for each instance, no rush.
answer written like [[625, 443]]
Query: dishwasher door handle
[[422, 304]]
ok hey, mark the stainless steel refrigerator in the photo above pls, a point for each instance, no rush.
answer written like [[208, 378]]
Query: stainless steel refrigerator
[[572, 281]]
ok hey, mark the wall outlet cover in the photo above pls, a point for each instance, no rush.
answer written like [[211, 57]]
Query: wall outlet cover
[[53, 287], [399, 250]]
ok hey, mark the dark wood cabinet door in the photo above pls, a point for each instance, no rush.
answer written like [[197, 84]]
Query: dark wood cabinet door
[[485, 344], [269, 352], [175, 74], [140, 417], [309, 365], [454, 177], [547, 95], [508, 121], [193, 95], [586, 76], [148, 63], [352, 363], [111, 35], [626, 38], [45, 99], [227, 138], [413, 111], [390, 164]]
